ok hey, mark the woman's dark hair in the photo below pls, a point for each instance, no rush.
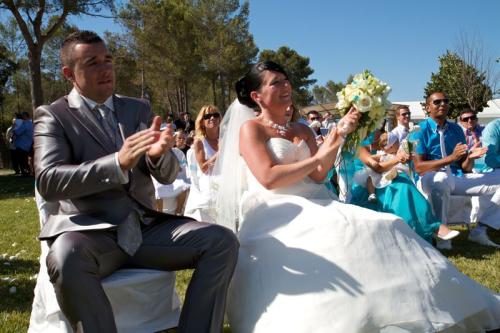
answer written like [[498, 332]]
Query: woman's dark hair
[[252, 81]]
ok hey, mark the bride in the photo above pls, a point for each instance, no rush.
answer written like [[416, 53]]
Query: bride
[[308, 263]]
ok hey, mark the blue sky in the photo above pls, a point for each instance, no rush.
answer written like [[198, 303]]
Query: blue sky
[[399, 41]]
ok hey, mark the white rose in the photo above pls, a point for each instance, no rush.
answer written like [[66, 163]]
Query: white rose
[[363, 103]]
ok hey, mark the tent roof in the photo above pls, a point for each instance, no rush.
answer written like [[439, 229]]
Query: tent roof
[[417, 113]]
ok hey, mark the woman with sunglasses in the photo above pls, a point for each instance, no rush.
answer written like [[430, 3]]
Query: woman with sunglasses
[[201, 159], [308, 263]]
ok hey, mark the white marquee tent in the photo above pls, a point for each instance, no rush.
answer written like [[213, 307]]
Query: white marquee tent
[[492, 111]]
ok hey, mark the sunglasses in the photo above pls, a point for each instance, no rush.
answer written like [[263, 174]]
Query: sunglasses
[[314, 118], [207, 116], [466, 119], [437, 102], [406, 114]]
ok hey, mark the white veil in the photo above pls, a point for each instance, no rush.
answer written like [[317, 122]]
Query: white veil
[[230, 168]]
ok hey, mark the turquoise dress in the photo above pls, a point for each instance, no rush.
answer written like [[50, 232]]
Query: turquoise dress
[[401, 197]]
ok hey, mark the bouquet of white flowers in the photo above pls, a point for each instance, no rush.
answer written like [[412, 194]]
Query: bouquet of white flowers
[[369, 96]]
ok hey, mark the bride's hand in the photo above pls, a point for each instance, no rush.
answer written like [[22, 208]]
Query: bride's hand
[[349, 122]]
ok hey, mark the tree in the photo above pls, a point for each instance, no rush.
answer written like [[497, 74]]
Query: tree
[[462, 83], [38, 21], [327, 93], [7, 68], [189, 52], [298, 70], [225, 45], [163, 35]]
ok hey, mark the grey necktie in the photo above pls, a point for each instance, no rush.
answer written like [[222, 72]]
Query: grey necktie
[[129, 231], [110, 125]]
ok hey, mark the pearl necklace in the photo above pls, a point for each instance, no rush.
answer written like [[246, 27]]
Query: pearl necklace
[[280, 129]]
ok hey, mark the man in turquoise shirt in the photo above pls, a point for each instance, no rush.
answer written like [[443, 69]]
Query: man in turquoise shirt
[[491, 140], [445, 164]]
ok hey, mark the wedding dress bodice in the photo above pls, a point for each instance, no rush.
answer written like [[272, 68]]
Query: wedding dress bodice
[[287, 152]]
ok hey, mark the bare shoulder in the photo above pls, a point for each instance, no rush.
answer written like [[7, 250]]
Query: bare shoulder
[[197, 143], [252, 129], [303, 131]]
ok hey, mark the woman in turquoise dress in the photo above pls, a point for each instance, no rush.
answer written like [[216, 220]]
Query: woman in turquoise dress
[[401, 197]]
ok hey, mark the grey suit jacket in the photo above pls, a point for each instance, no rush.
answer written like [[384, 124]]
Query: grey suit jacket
[[75, 165]]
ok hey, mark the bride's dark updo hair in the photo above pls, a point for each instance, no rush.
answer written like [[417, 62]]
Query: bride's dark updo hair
[[252, 81]]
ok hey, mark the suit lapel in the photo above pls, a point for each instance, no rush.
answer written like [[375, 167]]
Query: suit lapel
[[126, 119], [89, 121]]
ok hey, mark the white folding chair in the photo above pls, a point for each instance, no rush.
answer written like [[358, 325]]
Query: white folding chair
[[143, 300]]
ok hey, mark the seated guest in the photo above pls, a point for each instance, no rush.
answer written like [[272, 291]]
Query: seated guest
[[388, 148], [472, 130], [95, 152], [180, 141], [204, 151], [170, 198], [312, 116], [184, 122], [444, 163], [491, 140], [400, 196], [403, 116]]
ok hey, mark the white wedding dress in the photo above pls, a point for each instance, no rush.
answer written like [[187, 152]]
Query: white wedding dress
[[308, 263]]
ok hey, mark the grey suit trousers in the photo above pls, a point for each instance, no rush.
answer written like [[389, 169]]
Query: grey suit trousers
[[78, 260]]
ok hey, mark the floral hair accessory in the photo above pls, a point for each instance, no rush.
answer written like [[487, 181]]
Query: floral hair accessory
[[369, 96]]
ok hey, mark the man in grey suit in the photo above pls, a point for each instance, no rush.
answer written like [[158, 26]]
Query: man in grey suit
[[94, 154]]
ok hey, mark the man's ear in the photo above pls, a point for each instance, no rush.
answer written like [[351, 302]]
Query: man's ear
[[68, 73]]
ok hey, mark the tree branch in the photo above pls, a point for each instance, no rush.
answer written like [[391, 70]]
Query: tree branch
[[60, 21], [37, 22], [20, 21], [99, 15]]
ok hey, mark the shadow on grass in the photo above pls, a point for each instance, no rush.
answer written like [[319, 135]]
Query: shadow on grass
[[16, 186], [19, 266], [21, 300], [462, 247]]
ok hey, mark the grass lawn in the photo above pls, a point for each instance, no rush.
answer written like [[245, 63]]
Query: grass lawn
[[19, 251]]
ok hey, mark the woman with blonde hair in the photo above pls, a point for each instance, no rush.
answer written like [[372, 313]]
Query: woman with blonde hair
[[201, 159]]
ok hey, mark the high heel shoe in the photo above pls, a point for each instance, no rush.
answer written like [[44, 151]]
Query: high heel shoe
[[450, 235]]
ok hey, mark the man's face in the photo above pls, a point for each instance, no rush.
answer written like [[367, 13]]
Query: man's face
[[437, 106], [404, 117], [92, 74], [312, 117], [468, 120]]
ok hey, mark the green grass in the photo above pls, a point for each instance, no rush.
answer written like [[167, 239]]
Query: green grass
[[19, 226]]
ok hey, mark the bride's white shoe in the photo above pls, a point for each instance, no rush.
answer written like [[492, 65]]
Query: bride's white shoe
[[449, 235]]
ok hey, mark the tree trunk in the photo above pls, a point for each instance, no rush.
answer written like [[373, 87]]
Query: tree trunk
[[35, 55], [214, 92], [170, 103], [222, 92], [186, 97]]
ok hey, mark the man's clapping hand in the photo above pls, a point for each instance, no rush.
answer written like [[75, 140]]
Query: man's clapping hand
[[164, 140], [459, 152], [150, 141], [476, 151]]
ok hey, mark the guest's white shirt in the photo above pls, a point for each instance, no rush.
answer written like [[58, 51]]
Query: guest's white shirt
[[401, 132]]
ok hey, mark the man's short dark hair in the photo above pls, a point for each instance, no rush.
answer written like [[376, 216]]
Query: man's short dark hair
[[77, 37], [312, 112], [427, 98], [467, 110]]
